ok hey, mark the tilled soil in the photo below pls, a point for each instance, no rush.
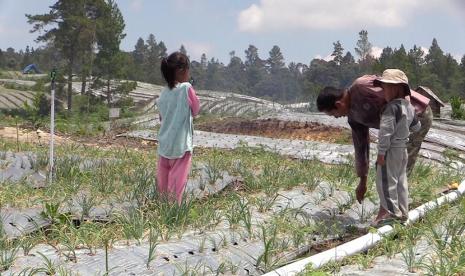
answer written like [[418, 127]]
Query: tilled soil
[[274, 128]]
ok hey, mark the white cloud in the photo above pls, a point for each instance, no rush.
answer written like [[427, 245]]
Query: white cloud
[[456, 7], [251, 19], [196, 49], [458, 57], [425, 50], [376, 51], [270, 15], [137, 5], [328, 57]]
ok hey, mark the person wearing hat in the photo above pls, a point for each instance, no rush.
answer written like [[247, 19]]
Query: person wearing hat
[[397, 120], [363, 103]]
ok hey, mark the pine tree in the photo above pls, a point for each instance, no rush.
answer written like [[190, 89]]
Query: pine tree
[[183, 50], [401, 61], [139, 57], [70, 32], [162, 50], [203, 61], [254, 67], [386, 59], [235, 74], [153, 61], [110, 59], [436, 63], [435, 53], [348, 58], [2, 59], [416, 60], [276, 60], [27, 59], [199, 71], [338, 51], [364, 46], [349, 70], [214, 75], [462, 78], [416, 56]]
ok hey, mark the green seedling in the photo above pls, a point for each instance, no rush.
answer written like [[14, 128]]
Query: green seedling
[[133, 224], [266, 260], [8, 252], [153, 242]]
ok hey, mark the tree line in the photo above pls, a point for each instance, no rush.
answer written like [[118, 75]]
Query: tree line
[[82, 38]]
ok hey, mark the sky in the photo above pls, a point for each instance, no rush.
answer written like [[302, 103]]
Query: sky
[[303, 29]]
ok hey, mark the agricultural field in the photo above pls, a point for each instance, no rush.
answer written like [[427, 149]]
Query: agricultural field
[[11, 99], [276, 187], [252, 204], [268, 186], [247, 211]]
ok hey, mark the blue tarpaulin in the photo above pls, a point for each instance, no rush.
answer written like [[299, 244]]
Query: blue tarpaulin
[[31, 68]]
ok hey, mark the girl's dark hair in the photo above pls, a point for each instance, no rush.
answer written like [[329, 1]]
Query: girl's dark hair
[[170, 66]]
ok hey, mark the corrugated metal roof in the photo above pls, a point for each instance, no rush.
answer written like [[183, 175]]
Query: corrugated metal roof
[[431, 93]]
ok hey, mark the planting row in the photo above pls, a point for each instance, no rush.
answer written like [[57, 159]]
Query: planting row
[[277, 210]]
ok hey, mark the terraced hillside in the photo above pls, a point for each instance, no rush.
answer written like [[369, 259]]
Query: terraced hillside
[[18, 75], [145, 95], [211, 101], [13, 99]]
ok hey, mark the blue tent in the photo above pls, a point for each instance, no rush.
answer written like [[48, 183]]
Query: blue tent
[[31, 67]]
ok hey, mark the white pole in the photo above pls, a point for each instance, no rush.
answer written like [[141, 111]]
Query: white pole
[[52, 124]]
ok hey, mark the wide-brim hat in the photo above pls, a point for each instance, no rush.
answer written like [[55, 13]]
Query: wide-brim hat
[[393, 76]]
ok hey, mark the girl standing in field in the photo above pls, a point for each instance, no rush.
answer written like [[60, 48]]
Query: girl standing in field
[[177, 106]]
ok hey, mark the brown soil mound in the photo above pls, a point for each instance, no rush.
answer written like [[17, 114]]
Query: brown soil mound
[[274, 128]]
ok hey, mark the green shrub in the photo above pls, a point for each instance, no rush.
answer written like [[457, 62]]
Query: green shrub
[[16, 86], [40, 84], [126, 87], [38, 110], [458, 112]]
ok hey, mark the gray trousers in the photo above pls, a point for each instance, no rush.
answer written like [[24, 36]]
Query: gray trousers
[[416, 138], [391, 182]]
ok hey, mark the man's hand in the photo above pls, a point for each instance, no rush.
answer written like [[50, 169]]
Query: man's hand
[[380, 161], [361, 189]]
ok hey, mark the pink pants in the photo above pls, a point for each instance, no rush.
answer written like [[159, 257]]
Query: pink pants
[[172, 176]]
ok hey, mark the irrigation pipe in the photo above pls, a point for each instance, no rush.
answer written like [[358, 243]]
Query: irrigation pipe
[[365, 242]]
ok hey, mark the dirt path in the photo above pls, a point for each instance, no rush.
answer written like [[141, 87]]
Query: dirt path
[[30, 136], [41, 137]]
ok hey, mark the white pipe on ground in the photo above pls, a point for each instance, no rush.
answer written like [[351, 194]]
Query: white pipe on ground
[[365, 242]]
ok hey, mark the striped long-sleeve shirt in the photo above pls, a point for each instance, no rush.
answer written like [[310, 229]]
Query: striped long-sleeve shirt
[[397, 121]]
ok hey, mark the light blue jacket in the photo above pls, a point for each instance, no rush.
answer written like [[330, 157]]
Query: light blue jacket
[[176, 131], [397, 121]]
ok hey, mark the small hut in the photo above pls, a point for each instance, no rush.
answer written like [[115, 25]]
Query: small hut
[[434, 102]]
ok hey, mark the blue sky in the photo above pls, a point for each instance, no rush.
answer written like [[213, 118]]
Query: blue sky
[[303, 29]]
